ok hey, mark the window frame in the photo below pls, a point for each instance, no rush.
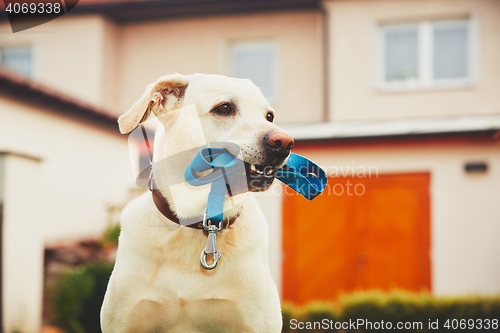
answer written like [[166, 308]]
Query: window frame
[[426, 81]]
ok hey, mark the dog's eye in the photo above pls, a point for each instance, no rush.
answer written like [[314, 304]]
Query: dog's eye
[[226, 109], [270, 117]]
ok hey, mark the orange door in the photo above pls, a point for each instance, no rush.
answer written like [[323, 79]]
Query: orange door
[[362, 233]]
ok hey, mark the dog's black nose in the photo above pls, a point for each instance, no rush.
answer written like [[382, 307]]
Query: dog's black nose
[[278, 142]]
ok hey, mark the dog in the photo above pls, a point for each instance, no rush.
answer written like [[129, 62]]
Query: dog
[[158, 284]]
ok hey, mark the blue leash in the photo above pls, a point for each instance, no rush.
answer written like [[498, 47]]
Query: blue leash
[[303, 176], [299, 173], [225, 166]]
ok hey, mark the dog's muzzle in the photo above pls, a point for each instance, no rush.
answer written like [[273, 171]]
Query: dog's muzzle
[[278, 146]]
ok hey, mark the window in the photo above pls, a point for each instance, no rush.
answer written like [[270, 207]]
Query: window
[[451, 59], [427, 54], [18, 59], [401, 53], [257, 62]]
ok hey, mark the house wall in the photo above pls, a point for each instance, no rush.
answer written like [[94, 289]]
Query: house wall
[[465, 213], [59, 173], [353, 35], [150, 50], [22, 243], [93, 59], [82, 167], [74, 55], [111, 66]]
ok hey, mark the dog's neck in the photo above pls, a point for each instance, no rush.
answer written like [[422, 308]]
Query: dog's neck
[[196, 223]]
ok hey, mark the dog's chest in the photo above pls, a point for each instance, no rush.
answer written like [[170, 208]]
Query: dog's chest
[[201, 315]]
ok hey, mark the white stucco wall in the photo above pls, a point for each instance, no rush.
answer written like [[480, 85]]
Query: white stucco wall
[[59, 174], [22, 244], [354, 44], [83, 166], [93, 59], [76, 55], [152, 49], [465, 208]]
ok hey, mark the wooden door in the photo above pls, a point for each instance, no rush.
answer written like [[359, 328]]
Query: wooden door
[[361, 234]]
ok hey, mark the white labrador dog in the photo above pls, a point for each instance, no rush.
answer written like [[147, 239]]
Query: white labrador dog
[[158, 284]]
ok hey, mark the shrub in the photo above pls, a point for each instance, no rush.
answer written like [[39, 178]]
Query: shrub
[[398, 307], [313, 313], [78, 298], [110, 235], [112, 232]]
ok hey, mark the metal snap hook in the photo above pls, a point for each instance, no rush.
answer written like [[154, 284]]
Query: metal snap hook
[[211, 246], [203, 260]]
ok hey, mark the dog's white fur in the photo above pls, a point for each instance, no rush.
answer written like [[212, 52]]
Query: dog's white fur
[[157, 284]]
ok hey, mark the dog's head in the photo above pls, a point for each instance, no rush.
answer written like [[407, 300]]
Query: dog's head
[[226, 110]]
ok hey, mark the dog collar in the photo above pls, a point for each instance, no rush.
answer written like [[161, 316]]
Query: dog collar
[[193, 222]]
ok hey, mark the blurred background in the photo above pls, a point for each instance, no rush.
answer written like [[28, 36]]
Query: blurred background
[[399, 100]]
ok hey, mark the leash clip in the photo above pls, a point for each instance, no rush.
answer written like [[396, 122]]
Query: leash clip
[[211, 246]]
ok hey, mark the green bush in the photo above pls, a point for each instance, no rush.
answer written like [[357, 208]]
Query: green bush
[[312, 313], [110, 235], [394, 308], [78, 298], [112, 232]]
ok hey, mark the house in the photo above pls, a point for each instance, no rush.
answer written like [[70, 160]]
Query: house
[[398, 100], [412, 148]]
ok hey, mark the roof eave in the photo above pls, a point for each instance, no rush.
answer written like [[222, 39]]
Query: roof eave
[[33, 93], [471, 127], [130, 12], [483, 135]]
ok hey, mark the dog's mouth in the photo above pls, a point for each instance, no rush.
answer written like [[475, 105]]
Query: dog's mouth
[[259, 177]]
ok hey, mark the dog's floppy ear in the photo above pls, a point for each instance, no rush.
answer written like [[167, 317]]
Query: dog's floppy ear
[[163, 95]]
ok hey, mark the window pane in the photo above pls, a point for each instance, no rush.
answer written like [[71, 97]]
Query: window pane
[[255, 61], [450, 50], [17, 59], [401, 53]]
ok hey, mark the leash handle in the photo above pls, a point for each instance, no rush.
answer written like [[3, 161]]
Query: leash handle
[[299, 173], [303, 176]]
